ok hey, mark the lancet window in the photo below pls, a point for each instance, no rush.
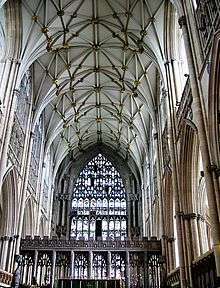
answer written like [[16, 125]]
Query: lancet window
[[99, 207]]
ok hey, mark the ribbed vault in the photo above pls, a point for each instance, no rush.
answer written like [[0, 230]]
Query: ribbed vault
[[95, 65]]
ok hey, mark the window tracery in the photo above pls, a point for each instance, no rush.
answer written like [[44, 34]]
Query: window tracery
[[99, 207], [81, 266], [20, 120], [117, 266], [99, 266]]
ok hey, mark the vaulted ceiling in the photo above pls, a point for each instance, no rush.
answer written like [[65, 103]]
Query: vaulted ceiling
[[95, 70]]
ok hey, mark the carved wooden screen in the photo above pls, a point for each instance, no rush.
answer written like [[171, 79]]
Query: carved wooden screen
[[99, 202], [81, 265], [99, 266], [118, 266]]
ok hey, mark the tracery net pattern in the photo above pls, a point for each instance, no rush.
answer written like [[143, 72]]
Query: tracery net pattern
[[99, 207]]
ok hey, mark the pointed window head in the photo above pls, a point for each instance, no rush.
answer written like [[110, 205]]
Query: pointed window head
[[99, 207]]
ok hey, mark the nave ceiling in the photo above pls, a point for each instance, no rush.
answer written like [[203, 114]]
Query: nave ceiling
[[96, 65]]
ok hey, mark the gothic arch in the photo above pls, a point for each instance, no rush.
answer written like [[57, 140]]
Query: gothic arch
[[188, 156], [13, 44], [71, 169], [9, 203], [29, 220], [193, 196], [75, 166], [213, 101], [42, 227]]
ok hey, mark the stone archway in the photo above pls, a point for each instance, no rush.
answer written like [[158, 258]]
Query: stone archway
[[214, 115], [69, 174], [8, 220], [214, 102], [28, 222], [9, 202]]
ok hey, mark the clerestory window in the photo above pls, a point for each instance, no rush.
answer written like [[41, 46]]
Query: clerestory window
[[99, 207]]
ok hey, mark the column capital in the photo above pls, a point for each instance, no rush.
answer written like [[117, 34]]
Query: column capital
[[200, 217], [179, 214], [166, 63], [190, 216], [14, 60], [5, 238], [171, 239], [155, 136], [164, 93], [214, 168], [173, 60], [164, 237], [182, 21], [10, 59]]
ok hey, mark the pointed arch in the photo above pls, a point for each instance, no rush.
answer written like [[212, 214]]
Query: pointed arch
[[188, 168], [99, 206], [42, 227], [9, 203], [213, 101], [29, 219]]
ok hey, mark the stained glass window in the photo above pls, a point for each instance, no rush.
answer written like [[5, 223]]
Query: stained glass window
[[99, 207]]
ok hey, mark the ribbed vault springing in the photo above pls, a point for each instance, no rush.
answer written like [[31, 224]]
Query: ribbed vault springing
[[95, 66]]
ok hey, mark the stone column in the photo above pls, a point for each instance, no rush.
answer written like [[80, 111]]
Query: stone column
[[200, 237], [204, 145], [129, 217], [188, 245], [109, 265], [4, 252], [1, 246], [69, 207], [90, 265], [133, 201], [13, 253], [63, 211], [6, 138], [53, 269], [175, 175], [204, 233], [165, 251], [195, 236], [9, 256], [72, 264], [170, 242], [23, 188], [128, 278], [35, 263], [160, 186]]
